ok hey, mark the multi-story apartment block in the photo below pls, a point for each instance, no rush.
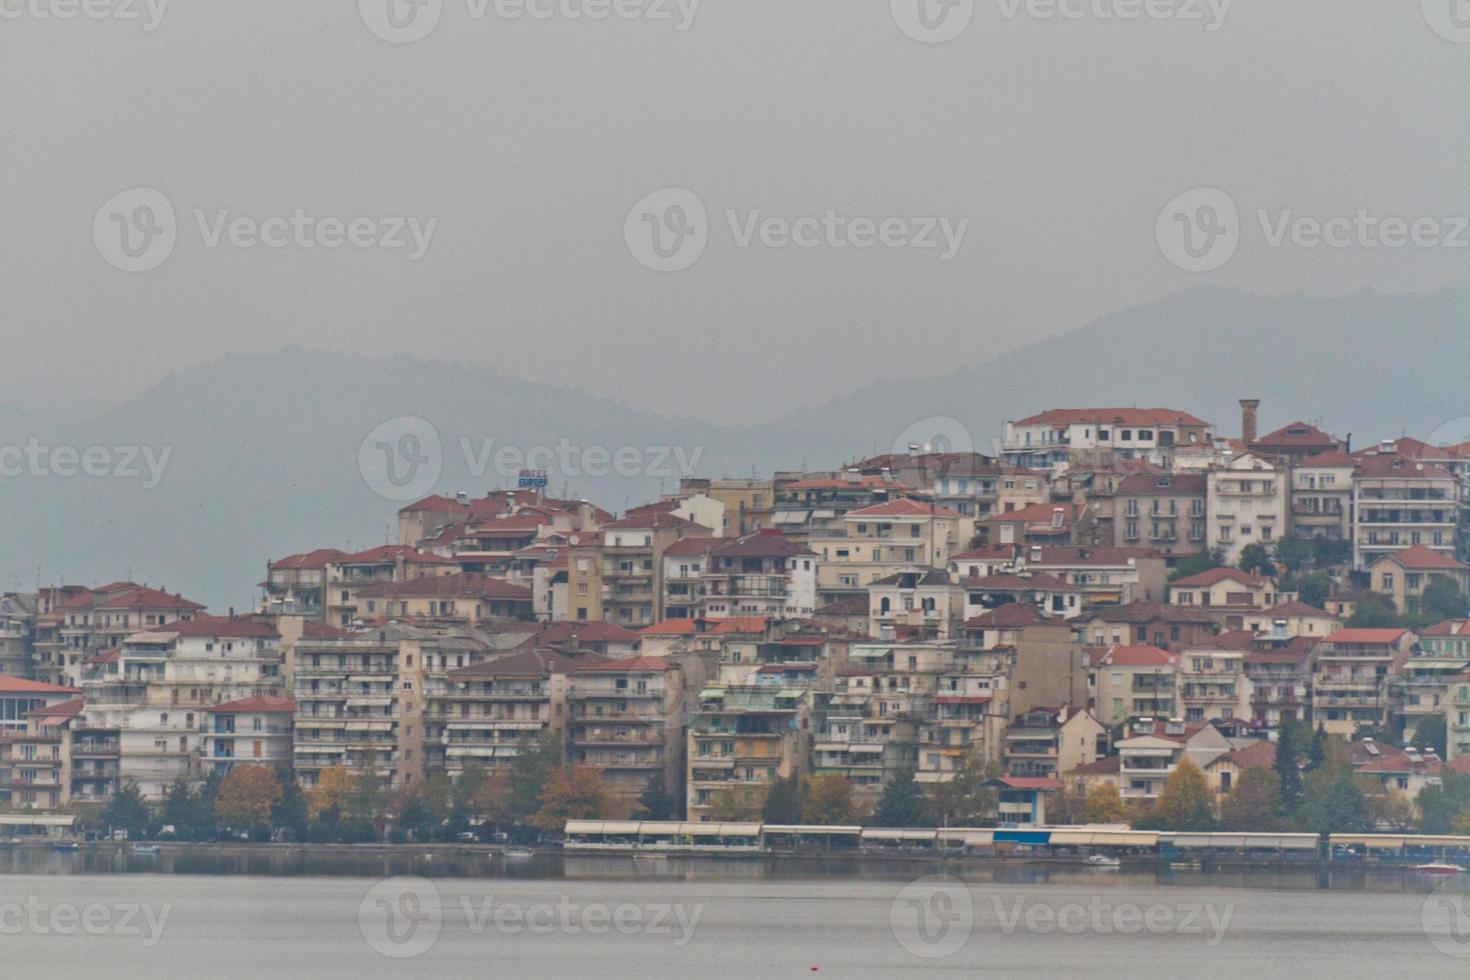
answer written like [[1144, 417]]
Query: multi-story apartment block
[[459, 599], [630, 576], [1156, 624], [743, 738], [921, 603], [1400, 502], [1351, 677], [36, 762], [1279, 676], [1211, 683], [78, 623], [1130, 682], [1457, 718], [297, 584], [626, 718], [1107, 577], [1248, 503], [1067, 437], [817, 505], [1295, 443], [1153, 749], [1048, 741], [348, 576], [250, 731], [1322, 496], [763, 573], [1238, 599], [1164, 512], [878, 541], [347, 703], [969, 484], [17, 633], [685, 562], [748, 505]]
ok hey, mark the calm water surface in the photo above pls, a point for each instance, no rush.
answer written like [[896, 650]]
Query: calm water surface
[[612, 917]]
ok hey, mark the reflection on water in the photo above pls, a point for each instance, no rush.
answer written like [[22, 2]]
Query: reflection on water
[[470, 862]]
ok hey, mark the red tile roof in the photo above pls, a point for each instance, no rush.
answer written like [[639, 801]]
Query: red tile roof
[[904, 507], [1261, 755], [143, 598], [1217, 575], [1113, 416], [235, 627], [19, 685], [693, 547], [766, 543], [1368, 636], [257, 705], [1170, 485], [1138, 656], [317, 559], [1421, 558]]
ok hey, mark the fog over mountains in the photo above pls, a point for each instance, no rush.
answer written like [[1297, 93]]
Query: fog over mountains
[[256, 457]]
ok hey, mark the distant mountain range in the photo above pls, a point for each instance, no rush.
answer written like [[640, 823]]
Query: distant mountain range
[[266, 455]]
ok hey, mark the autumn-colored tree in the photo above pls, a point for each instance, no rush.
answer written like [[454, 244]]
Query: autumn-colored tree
[[493, 799], [1254, 805], [329, 799], [829, 801], [1105, 805], [247, 798], [734, 804], [573, 793], [1185, 803]]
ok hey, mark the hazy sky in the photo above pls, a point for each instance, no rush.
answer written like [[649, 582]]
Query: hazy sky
[[520, 146]]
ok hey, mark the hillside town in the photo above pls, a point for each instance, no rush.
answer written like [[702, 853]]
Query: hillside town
[[1123, 611]]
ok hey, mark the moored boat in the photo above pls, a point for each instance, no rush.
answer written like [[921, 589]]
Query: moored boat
[[1435, 868]]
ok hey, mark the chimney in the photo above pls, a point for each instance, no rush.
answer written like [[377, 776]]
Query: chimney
[[1249, 415]]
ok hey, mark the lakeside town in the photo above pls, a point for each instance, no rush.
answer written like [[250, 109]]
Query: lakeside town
[[1127, 618]]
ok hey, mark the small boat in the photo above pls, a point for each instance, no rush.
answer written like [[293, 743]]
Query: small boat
[[147, 849], [1439, 869], [518, 854], [1103, 861], [66, 845]]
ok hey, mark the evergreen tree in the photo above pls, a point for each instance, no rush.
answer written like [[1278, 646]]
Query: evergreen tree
[[784, 801], [291, 813], [903, 803], [1317, 750], [655, 803], [1288, 770], [127, 810], [1333, 802], [536, 760]]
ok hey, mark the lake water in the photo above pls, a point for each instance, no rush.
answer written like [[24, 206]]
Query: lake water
[[614, 917]]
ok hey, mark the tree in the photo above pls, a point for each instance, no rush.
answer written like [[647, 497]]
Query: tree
[[330, 797], [291, 810], [1317, 749], [1391, 810], [1442, 805], [536, 760], [572, 793], [247, 798], [1185, 803], [655, 803], [1254, 804], [1105, 805], [367, 802], [1255, 559], [784, 801], [1333, 802], [1374, 612], [1313, 588], [1205, 561], [1329, 554], [1293, 553], [965, 801], [190, 810], [414, 816], [829, 801], [1442, 600], [127, 810], [1431, 733], [1287, 765], [464, 799], [735, 804], [903, 803]]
